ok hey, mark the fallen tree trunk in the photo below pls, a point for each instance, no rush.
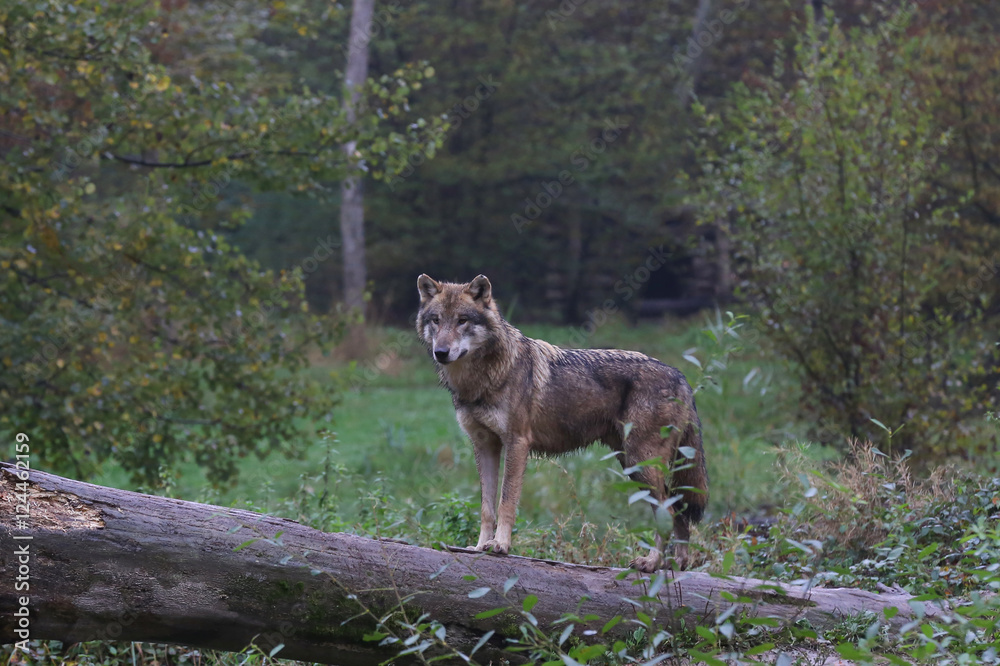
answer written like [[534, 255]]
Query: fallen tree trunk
[[104, 564]]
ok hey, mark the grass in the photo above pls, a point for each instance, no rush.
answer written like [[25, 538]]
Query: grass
[[398, 465], [397, 425]]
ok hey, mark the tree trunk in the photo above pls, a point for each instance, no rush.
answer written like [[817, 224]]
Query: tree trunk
[[352, 203], [689, 77], [107, 564], [724, 265]]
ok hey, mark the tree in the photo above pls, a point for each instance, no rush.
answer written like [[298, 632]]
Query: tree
[[130, 328], [352, 209], [826, 174]]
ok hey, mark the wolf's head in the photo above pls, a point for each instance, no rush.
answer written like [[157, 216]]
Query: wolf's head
[[456, 320]]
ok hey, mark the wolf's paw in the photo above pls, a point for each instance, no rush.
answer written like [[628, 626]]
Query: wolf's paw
[[494, 546], [647, 563]]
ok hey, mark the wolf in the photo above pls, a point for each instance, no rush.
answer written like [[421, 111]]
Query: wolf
[[517, 396]]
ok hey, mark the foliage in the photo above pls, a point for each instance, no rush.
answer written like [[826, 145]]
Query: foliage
[[825, 176], [131, 329]]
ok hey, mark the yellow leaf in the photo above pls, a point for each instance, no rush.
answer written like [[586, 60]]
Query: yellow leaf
[[60, 363], [89, 188]]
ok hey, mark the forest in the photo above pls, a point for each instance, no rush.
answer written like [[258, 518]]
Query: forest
[[213, 214]]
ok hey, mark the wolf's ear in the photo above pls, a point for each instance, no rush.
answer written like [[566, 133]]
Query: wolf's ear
[[427, 287], [480, 289]]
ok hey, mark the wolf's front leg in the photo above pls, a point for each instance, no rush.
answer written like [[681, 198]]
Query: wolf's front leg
[[486, 447], [515, 462]]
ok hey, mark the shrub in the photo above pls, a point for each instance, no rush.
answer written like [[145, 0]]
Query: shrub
[[824, 175]]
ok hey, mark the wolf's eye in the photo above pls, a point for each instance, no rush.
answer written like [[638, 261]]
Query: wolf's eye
[[462, 320], [435, 319]]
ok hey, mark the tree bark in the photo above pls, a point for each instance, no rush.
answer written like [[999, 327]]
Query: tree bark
[[689, 77], [108, 564], [352, 203]]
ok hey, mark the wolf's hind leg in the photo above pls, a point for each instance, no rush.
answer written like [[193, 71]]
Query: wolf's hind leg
[[682, 535], [653, 477]]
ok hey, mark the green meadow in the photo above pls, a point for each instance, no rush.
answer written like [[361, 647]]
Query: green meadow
[[395, 433]]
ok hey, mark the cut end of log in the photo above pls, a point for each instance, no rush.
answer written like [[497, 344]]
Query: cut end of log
[[48, 510]]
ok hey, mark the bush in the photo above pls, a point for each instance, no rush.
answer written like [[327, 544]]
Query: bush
[[824, 175]]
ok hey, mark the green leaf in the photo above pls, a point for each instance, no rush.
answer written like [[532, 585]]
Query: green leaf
[[691, 358], [728, 560], [704, 658], [529, 603], [488, 614], [759, 649], [705, 633], [638, 495], [849, 651], [481, 642], [880, 425]]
